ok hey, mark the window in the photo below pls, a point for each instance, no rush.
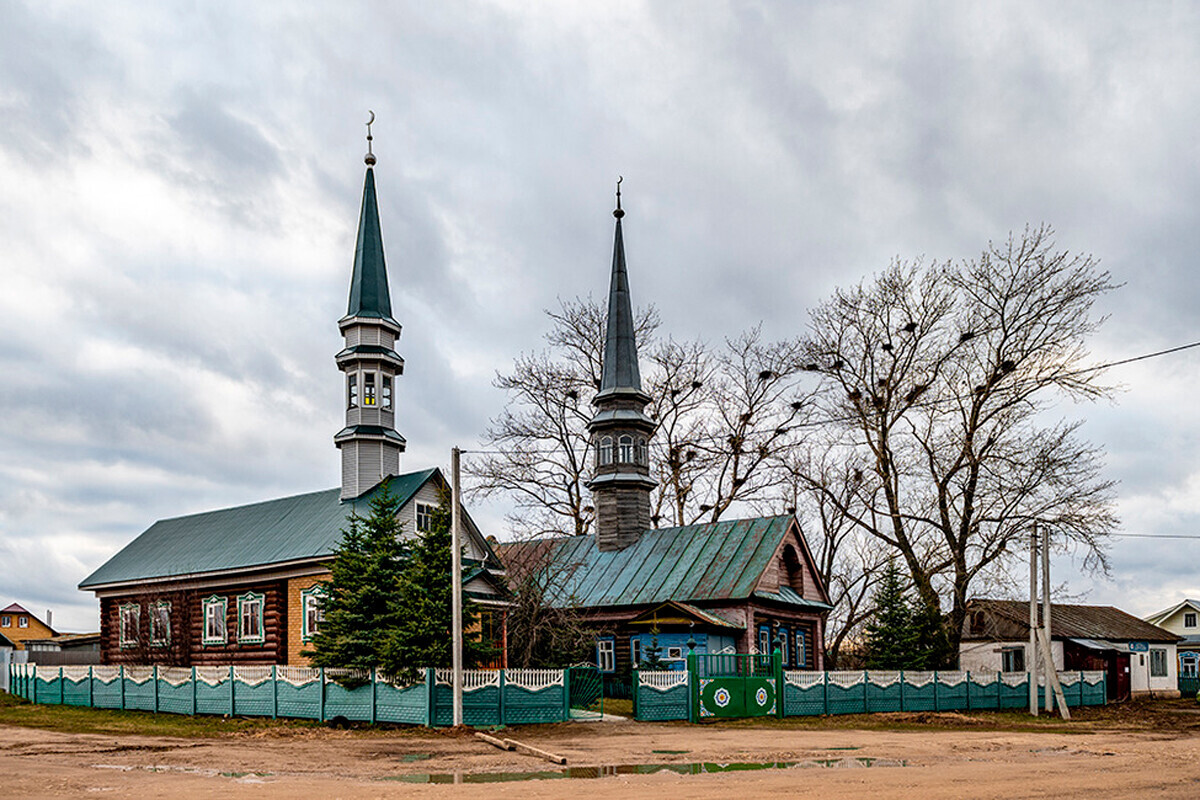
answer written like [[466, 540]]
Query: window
[[783, 646], [1158, 662], [250, 618], [626, 449], [22, 622], [764, 640], [605, 454], [635, 651], [801, 649], [368, 388], [160, 623], [387, 392], [314, 614], [1189, 665], [214, 620], [424, 517], [130, 618], [1189, 620], [5, 622], [606, 656], [640, 454], [1012, 659], [352, 390], [674, 653]]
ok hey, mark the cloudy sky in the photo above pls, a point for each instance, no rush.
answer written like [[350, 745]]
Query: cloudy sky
[[179, 189]]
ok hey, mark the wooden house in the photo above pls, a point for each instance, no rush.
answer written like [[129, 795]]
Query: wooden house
[[1183, 619], [240, 585]]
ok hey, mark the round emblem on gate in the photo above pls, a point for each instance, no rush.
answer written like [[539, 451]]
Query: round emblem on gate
[[721, 697], [761, 696]]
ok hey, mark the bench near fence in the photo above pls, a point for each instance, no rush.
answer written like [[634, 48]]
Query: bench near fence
[[670, 695], [490, 697]]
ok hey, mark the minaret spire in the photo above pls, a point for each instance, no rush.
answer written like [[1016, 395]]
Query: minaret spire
[[369, 443], [620, 429]]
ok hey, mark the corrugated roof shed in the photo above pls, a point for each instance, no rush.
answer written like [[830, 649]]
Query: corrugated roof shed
[[1067, 621], [711, 561], [272, 532]]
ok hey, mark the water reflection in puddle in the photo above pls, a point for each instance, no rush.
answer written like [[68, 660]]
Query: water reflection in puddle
[[694, 768]]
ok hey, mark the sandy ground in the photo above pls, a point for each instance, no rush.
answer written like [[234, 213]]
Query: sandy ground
[[926, 764]]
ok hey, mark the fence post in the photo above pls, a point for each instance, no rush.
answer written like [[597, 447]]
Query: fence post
[[91, 689], [193, 691], [901, 690], [122, 687], [156, 688], [430, 697], [968, 673], [693, 688], [999, 690], [501, 702], [274, 691], [825, 692], [232, 698], [635, 685], [374, 677], [777, 668], [62, 695], [566, 704], [321, 703], [936, 694], [866, 685]]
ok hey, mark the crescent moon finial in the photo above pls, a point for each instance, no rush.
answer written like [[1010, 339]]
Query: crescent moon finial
[[619, 213], [370, 157]]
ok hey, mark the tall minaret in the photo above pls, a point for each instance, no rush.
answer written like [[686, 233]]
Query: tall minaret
[[370, 445], [620, 429]]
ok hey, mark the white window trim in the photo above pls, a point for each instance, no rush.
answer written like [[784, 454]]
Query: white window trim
[[605, 452], [635, 651], [625, 449], [223, 602], [22, 621], [371, 401], [606, 652], [154, 607], [124, 640], [352, 390], [1189, 619], [1161, 653], [428, 509], [311, 593], [249, 597], [5, 622], [386, 385]]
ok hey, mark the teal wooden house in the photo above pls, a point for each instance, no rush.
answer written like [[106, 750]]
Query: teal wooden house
[[738, 586], [241, 585]]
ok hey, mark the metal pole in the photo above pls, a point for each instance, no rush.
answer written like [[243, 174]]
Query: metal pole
[[456, 582], [1046, 614], [1031, 660]]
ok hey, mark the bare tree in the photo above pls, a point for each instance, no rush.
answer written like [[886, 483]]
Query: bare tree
[[936, 378]]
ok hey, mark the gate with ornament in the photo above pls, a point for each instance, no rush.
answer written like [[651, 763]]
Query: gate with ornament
[[735, 685]]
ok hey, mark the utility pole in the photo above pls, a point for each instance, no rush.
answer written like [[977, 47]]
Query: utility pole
[[1031, 664], [1046, 618], [456, 581]]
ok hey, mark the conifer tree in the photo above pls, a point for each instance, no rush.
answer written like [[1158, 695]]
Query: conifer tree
[[362, 604], [421, 636], [652, 655], [890, 636]]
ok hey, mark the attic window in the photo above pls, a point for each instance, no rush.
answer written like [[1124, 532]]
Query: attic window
[[424, 517], [22, 622], [5, 622], [1189, 620], [791, 573]]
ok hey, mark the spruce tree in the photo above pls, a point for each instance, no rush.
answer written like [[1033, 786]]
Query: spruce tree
[[362, 603], [890, 637], [421, 636]]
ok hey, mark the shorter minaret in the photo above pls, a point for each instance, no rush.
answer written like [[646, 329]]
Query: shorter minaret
[[620, 430], [369, 443]]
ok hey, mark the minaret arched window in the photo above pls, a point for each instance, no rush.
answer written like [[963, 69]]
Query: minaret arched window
[[605, 454], [352, 389], [368, 388], [625, 456], [641, 456], [387, 392]]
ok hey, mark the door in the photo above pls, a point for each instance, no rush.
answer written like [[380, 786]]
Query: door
[[1118, 676]]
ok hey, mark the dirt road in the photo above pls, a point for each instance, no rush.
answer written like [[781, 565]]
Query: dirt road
[[832, 764]]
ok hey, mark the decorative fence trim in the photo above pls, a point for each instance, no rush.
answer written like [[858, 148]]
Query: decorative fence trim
[[105, 674], [212, 676], [76, 674], [473, 679], [175, 676], [919, 678], [663, 680], [1016, 678], [1069, 678], [139, 675], [534, 680], [298, 677], [803, 679], [252, 676], [340, 675], [984, 678], [883, 678], [846, 679], [951, 678], [1092, 677]]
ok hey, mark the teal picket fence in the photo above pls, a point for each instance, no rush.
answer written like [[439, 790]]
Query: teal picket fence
[[667, 695], [490, 697]]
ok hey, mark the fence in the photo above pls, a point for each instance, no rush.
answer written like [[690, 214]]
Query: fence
[[1189, 687], [676, 695], [490, 697]]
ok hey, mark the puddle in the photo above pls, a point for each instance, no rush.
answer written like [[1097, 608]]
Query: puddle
[[672, 752], [409, 758], [694, 768]]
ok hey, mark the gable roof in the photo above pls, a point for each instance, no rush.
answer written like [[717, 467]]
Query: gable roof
[[673, 612], [1158, 617], [14, 608], [705, 562], [286, 530], [1009, 619]]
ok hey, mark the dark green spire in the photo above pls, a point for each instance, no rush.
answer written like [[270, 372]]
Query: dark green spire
[[369, 287], [619, 374]]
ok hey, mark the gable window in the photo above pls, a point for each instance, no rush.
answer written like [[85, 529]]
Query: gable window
[[215, 609], [22, 622], [130, 618], [314, 613], [160, 623], [1189, 619], [605, 454], [424, 517], [368, 389], [791, 573], [5, 622], [606, 655], [1158, 662], [387, 392], [625, 455], [250, 618], [352, 390], [635, 651], [1012, 659]]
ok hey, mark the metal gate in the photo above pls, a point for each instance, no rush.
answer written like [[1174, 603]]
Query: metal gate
[[586, 692], [736, 685]]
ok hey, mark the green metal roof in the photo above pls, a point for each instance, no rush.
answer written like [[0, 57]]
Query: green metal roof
[[711, 561], [369, 295], [276, 531]]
